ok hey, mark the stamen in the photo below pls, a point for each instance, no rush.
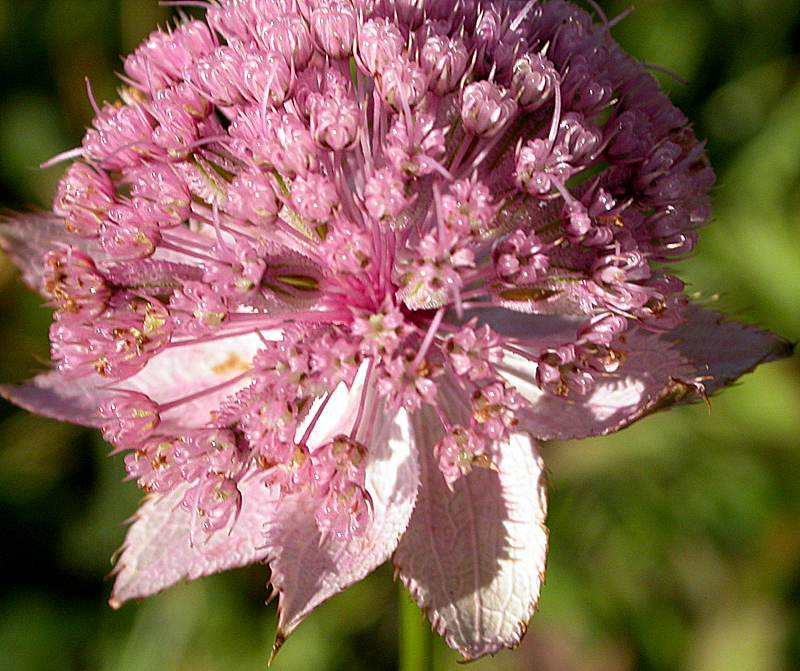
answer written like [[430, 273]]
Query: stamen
[[166, 407], [521, 15], [599, 11], [315, 419], [209, 338], [185, 3], [63, 156], [90, 95], [186, 252], [619, 18], [366, 390], [428, 339]]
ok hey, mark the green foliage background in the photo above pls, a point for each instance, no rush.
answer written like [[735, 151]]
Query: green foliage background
[[675, 545]]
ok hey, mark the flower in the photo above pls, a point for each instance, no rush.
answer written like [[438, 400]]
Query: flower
[[329, 271]]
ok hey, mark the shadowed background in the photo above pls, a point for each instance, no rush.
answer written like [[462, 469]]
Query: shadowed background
[[675, 544]]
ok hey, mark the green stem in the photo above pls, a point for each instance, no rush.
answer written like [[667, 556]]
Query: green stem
[[416, 638]]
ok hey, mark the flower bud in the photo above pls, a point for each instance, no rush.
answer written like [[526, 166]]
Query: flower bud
[[445, 61], [486, 108], [333, 25], [534, 81], [128, 419]]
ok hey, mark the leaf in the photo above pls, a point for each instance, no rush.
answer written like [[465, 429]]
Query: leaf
[[474, 558], [660, 370], [307, 568], [158, 552], [57, 397]]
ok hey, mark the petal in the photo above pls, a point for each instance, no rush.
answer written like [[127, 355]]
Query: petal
[[308, 568], [152, 273], [706, 353], [27, 237], [176, 373], [474, 558], [513, 324], [650, 375], [158, 551], [723, 350], [180, 372], [54, 396]]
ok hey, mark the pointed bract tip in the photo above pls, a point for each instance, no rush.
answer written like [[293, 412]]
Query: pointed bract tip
[[6, 392], [280, 639], [115, 603]]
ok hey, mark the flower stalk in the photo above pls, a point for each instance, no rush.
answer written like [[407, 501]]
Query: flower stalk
[[416, 637]]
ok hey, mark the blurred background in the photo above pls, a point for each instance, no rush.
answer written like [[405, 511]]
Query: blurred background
[[675, 544]]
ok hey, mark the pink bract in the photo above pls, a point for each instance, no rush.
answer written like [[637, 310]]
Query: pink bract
[[329, 269]]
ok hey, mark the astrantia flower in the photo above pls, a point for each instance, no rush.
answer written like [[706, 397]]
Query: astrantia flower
[[329, 270]]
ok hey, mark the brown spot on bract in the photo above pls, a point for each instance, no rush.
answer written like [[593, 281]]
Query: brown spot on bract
[[233, 364]]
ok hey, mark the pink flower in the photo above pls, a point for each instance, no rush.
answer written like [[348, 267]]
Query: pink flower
[[331, 269]]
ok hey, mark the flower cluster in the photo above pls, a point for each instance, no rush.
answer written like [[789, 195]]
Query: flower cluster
[[329, 267]]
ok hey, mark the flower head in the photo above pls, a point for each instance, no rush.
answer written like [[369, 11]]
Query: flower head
[[330, 268]]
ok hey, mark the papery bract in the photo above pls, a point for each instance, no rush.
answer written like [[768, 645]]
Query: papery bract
[[329, 270]]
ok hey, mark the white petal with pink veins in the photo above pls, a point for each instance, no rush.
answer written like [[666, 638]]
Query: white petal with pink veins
[[158, 551], [307, 567], [659, 370], [338, 415], [647, 377], [179, 372], [722, 349], [175, 373], [474, 557], [26, 238], [609, 397], [58, 397]]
